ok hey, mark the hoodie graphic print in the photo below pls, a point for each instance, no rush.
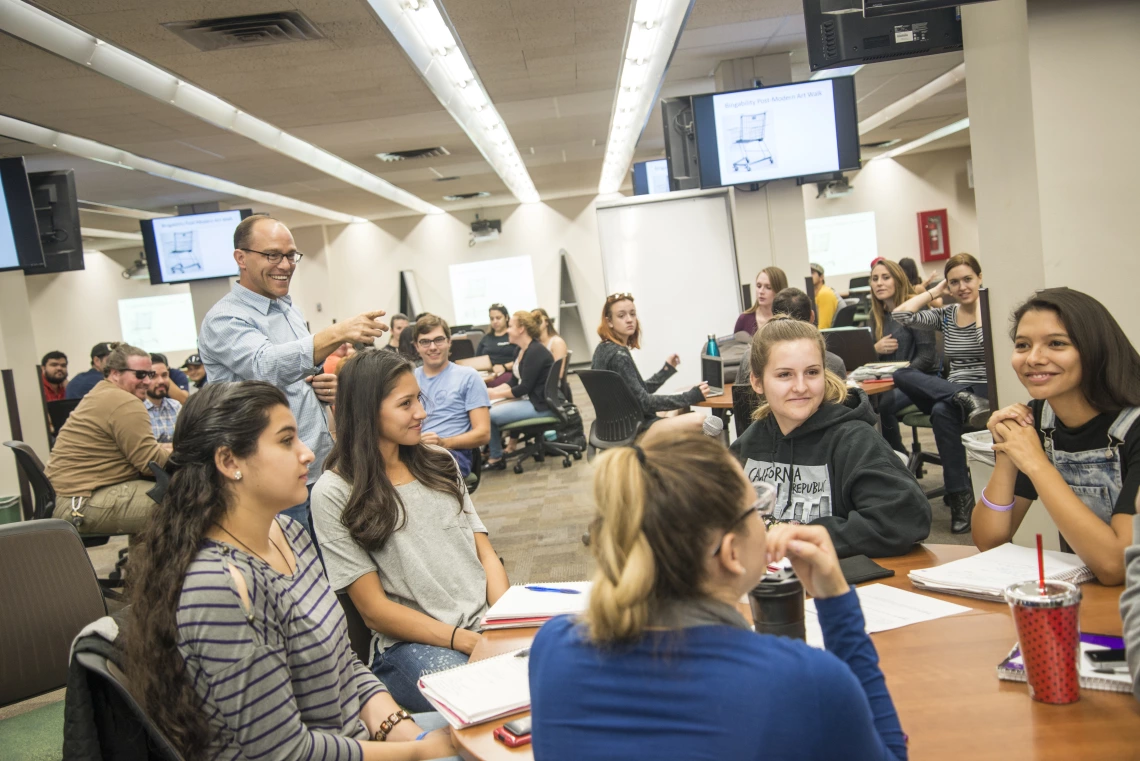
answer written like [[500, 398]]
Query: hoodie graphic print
[[803, 492]]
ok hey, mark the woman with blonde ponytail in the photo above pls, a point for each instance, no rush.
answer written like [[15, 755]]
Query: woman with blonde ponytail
[[663, 665]]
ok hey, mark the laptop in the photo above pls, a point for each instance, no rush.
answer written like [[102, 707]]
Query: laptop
[[854, 345], [712, 373]]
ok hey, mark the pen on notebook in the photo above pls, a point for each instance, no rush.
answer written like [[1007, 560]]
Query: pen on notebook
[[525, 652], [553, 589]]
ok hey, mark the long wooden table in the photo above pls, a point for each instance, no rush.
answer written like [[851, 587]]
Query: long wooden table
[[942, 676]]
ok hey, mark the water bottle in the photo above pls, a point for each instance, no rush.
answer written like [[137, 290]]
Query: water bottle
[[778, 605], [712, 349]]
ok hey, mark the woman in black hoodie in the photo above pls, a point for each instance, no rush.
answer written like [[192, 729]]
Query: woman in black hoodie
[[814, 441]]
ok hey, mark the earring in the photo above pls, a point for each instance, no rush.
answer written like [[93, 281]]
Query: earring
[[237, 475]]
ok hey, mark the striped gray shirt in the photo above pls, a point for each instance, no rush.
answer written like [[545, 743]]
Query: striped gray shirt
[[282, 681], [962, 346]]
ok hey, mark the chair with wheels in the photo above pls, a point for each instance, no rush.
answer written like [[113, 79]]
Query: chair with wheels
[[359, 635], [475, 477], [916, 418], [745, 400], [618, 415], [559, 416], [845, 317]]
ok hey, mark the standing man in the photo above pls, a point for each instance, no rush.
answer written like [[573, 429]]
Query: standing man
[[162, 409], [458, 406], [86, 381], [826, 301], [255, 333], [54, 375]]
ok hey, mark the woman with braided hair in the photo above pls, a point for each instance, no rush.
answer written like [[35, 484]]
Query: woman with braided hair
[[663, 665]]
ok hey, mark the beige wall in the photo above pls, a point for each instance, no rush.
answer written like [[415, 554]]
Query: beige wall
[[896, 190]]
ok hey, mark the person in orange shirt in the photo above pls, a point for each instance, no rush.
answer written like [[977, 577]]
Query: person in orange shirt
[[333, 360], [826, 301]]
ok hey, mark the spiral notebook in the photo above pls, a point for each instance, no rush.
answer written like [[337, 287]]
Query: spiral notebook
[[481, 691], [1012, 669], [521, 607], [986, 575]]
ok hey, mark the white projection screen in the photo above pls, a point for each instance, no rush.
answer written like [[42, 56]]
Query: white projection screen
[[843, 244], [159, 323], [475, 286], [677, 256]]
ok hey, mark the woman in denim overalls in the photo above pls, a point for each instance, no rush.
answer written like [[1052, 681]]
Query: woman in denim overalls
[[1077, 446]]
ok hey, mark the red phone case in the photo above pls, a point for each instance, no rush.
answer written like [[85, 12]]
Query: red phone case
[[511, 741]]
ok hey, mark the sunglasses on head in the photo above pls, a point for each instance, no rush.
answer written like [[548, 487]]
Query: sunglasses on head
[[619, 297]]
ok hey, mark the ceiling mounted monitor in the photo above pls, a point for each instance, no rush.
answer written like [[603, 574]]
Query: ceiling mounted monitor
[[57, 214], [651, 177], [19, 235], [191, 246], [872, 8], [837, 38]]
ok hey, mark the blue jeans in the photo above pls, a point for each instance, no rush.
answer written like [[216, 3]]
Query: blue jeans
[[889, 404], [400, 667], [505, 413]]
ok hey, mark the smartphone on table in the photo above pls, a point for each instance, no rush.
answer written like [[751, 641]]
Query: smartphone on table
[[514, 733]]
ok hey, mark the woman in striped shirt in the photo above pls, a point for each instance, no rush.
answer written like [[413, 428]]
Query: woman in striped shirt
[[237, 647], [959, 399]]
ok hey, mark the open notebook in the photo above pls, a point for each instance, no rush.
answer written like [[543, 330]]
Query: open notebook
[[520, 607], [986, 575], [481, 691], [1012, 669]]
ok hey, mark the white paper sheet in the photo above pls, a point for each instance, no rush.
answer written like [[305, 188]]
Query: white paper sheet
[[885, 608]]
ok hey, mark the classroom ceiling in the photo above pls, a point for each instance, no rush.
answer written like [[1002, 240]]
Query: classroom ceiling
[[549, 66]]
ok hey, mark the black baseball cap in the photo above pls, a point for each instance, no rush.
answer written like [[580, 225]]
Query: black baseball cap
[[100, 350], [193, 359]]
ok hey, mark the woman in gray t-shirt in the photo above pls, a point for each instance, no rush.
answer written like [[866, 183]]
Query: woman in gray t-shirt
[[398, 530]]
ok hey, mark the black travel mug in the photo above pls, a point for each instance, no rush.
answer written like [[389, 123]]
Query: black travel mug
[[778, 605]]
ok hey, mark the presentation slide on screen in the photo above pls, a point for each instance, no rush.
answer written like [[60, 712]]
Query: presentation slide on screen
[[475, 286], [657, 176], [8, 256], [843, 244], [160, 323], [196, 247], [779, 132]]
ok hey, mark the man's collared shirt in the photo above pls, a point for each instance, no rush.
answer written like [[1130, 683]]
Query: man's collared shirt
[[246, 336], [162, 417], [51, 393]]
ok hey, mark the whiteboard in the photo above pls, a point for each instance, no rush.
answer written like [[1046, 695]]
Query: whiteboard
[[843, 244], [475, 286], [677, 256], [159, 323]]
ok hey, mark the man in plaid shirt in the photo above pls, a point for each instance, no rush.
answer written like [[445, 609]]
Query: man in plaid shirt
[[162, 409]]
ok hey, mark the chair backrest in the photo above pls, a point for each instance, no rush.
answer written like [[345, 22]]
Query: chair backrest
[[58, 412], [48, 593], [42, 490], [553, 391], [855, 346], [745, 400], [461, 348], [845, 317], [359, 635], [476, 335], [617, 413]]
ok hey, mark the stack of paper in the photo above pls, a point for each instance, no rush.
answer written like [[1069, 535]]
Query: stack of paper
[[885, 608], [986, 575], [1012, 669], [480, 691], [535, 604]]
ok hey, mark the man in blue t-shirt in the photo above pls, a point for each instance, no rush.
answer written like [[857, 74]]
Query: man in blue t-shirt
[[85, 381], [458, 407]]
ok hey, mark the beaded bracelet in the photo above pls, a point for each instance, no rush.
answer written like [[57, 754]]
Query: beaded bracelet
[[389, 724], [997, 508]]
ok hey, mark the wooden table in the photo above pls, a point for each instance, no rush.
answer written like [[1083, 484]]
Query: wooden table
[[942, 677]]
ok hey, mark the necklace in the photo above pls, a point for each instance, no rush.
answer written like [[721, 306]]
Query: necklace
[[292, 570]]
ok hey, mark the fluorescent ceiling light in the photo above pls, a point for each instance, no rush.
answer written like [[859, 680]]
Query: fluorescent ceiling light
[[952, 77], [433, 48], [937, 134], [118, 211], [108, 154], [91, 232], [57, 36], [654, 27], [842, 71]]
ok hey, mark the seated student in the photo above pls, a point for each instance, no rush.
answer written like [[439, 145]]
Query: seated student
[[101, 455], [895, 342], [458, 408], [397, 324], [53, 370], [664, 666], [236, 647], [331, 361], [813, 440], [826, 300], [497, 345], [87, 380], [769, 282], [1130, 604], [195, 371], [795, 304], [549, 337], [398, 530], [1076, 445], [620, 331], [527, 391], [162, 409]]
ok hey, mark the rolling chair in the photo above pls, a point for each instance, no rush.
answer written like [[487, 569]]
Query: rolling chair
[[557, 418], [845, 317], [745, 400], [462, 347], [359, 635], [916, 418], [618, 415]]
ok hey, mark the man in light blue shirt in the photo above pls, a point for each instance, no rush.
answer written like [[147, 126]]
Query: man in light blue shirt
[[255, 333], [458, 407]]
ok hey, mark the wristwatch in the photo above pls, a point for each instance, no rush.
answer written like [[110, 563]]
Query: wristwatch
[[388, 724]]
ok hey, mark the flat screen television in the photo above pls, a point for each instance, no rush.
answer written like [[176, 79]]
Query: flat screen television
[[57, 214], [848, 39], [651, 177], [777, 133], [191, 246], [19, 235]]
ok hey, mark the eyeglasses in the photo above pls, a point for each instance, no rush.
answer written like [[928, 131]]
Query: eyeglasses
[[619, 297], [275, 257], [427, 343], [140, 374], [763, 506]]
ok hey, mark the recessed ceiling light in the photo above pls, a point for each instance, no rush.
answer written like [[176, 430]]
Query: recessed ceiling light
[[937, 134], [415, 153], [904, 104], [466, 196]]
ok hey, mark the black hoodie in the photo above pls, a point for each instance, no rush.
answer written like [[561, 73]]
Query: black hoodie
[[843, 475]]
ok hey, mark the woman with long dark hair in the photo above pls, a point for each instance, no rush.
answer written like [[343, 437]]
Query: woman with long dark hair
[[1076, 445], [236, 647], [398, 530]]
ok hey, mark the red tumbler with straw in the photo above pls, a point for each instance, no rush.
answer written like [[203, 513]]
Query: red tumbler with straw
[[1047, 615]]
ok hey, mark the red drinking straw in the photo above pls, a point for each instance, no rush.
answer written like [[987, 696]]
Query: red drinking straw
[[1040, 566]]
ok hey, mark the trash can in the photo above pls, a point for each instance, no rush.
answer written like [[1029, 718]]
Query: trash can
[[10, 510], [980, 457]]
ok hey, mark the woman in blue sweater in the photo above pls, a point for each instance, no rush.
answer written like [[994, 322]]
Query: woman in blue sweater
[[663, 665]]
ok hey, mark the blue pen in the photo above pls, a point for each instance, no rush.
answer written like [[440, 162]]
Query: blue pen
[[553, 589]]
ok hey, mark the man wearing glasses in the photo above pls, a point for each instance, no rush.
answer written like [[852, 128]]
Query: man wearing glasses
[[255, 332], [100, 456], [457, 404]]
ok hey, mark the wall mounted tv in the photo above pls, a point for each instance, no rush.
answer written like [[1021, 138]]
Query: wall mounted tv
[[57, 214], [19, 235], [191, 246], [651, 177], [777, 133], [837, 38]]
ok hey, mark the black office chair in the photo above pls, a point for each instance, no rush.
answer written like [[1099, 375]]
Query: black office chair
[[475, 477], [618, 415], [359, 635], [559, 416], [745, 400], [845, 317], [461, 348]]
